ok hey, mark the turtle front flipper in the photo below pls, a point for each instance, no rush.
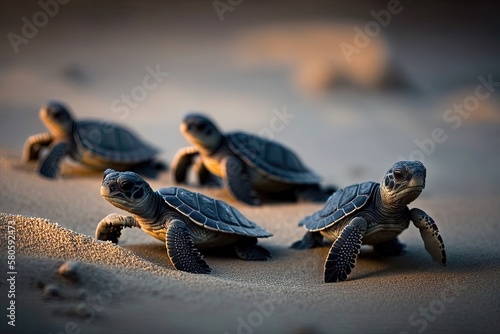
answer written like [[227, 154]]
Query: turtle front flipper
[[430, 234], [342, 257], [181, 250], [238, 181], [49, 167], [247, 249], [34, 144], [183, 160], [110, 227]]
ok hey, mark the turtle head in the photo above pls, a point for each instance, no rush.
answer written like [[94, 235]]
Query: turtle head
[[126, 190], [403, 183], [57, 119], [200, 131]]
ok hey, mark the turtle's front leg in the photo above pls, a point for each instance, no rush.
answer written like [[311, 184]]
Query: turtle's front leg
[[34, 145], [49, 167], [109, 228], [182, 162], [342, 257], [430, 234], [181, 249]]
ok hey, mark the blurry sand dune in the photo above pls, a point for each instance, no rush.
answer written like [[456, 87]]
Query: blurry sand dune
[[475, 111], [313, 53]]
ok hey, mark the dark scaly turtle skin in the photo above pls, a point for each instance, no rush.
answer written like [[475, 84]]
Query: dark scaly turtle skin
[[374, 214], [96, 145], [186, 221], [251, 167]]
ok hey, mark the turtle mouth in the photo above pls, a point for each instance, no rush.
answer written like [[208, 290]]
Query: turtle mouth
[[112, 196], [412, 189], [118, 200], [420, 188], [409, 194], [191, 134], [205, 139], [60, 126], [106, 191], [116, 197], [184, 128]]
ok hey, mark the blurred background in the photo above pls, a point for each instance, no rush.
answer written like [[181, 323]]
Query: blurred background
[[351, 87]]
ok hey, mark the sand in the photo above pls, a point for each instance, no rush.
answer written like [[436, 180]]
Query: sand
[[128, 287], [261, 62]]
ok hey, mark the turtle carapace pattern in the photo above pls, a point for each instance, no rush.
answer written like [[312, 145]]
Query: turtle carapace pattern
[[95, 145], [374, 214], [251, 167], [186, 221]]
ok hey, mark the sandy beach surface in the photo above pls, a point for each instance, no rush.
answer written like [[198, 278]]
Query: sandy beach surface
[[426, 87]]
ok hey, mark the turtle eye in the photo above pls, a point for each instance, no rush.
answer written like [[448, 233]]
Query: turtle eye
[[201, 126], [56, 113], [127, 185], [398, 174]]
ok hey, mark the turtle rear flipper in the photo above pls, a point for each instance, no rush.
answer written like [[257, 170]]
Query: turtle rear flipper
[[181, 250], [310, 240], [342, 257], [430, 234], [247, 249], [50, 165]]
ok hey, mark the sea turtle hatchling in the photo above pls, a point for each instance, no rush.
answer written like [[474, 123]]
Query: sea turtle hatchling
[[186, 221], [96, 145], [251, 167], [374, 214]]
